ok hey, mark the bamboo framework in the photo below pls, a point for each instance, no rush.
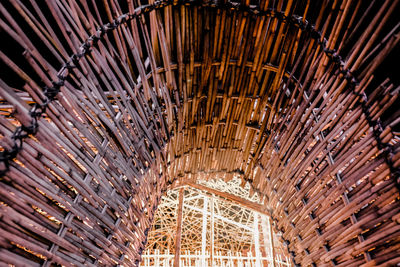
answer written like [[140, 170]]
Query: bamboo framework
[[105, 104], [219, 233]]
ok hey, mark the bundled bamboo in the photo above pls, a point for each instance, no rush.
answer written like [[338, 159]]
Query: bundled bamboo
[[106, 103]]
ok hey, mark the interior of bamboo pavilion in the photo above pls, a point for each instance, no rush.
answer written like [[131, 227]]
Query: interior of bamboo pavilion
[[199, 133]]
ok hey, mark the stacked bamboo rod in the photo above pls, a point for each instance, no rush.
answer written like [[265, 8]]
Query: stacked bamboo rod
[[103, 104]]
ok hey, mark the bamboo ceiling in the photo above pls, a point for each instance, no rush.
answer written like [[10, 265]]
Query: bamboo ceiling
[[106, 103]]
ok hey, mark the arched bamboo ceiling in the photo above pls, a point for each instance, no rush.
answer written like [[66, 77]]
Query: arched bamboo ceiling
[[106, 103]]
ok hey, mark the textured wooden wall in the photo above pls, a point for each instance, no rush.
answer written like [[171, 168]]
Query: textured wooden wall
[[106, 103]]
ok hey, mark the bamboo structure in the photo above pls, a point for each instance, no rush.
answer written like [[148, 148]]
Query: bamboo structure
[[104, 105], [238, 259], [220, 233]]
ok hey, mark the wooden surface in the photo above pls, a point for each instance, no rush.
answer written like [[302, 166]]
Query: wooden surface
[[299, 98], [178, 232]]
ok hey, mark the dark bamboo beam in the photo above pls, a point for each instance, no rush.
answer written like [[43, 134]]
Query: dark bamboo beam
[[230, 197]]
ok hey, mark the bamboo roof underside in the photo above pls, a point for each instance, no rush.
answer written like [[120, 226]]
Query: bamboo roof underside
[[105, 105]]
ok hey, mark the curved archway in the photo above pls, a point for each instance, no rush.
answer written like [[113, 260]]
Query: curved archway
[[179, 89]]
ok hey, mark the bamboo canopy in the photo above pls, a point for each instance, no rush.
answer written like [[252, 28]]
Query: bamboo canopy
[[105, 104]]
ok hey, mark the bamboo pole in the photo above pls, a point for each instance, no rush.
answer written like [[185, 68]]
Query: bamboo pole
[[256, 237], [204, 232], [179, 228], [212, 232]]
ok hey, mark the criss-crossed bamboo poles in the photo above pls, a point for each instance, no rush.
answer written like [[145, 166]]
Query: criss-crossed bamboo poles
[[106, 103]]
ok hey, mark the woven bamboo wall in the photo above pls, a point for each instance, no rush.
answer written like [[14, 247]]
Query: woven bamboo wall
[[106, 103]]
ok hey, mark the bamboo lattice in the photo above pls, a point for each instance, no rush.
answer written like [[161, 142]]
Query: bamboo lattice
[[230, 229], [105, 104]]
